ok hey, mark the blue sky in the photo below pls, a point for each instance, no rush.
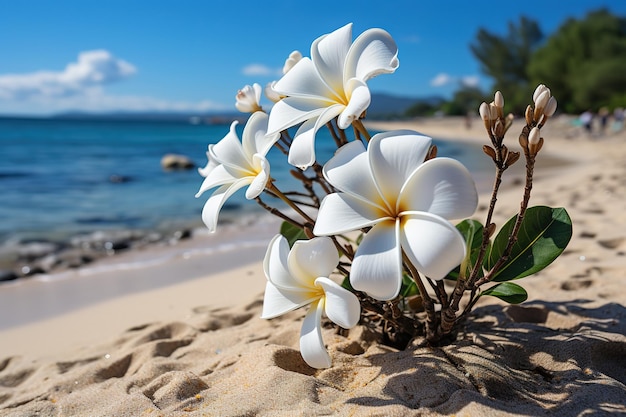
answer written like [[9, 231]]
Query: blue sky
[[195, 55]]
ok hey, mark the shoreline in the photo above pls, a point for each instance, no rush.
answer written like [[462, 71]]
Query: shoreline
[[198, 346]]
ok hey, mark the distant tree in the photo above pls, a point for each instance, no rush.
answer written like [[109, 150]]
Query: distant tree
[[505, 59], [465, 100], [584, 63], [421, 108]]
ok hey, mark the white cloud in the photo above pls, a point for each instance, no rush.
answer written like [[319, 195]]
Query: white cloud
[[441, 80], [470, 80], [80, 86], [261, 70], [91, 71]]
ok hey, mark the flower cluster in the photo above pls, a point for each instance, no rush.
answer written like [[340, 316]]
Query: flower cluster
[[381, 230]]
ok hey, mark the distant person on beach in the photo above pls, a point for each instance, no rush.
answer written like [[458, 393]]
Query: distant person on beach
[[618, 119], [604, 119], [586, 119]]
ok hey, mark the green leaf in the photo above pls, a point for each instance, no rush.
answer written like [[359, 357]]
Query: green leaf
[[292, 233], [472, 232], [409, 287], [543, 235], [507, 291]]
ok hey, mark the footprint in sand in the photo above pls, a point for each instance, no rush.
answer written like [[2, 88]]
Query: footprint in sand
[[611, 243]]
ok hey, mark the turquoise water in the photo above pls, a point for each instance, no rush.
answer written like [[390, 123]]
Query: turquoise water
[[60, 177]]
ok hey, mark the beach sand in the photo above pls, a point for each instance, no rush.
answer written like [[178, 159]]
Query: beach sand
[[176, 331]]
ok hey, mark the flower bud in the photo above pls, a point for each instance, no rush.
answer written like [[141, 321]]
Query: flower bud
[[248, 99], [550, 107], [540, 89], [529, 114], [292, 60], [484, 112], [534, 136], [541, 102], [499, 99], [493, 110], [271, 94]]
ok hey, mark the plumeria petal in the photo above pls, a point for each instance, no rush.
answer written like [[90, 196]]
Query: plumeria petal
[[229, 151], [393, 157], [373, 52], [216, 176], [341, 306], [260, 181], [275, 263], [302, 150], [254, 139], [310, 259], [291, 111], [212, 207], [304, 81], [312, 346], [278, 301], [360, 99], [210, 165], [377, 264], [432, 244], [441, 186], [340, 213], [349, 172], [329, 52]]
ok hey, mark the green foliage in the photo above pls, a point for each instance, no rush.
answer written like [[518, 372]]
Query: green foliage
[[472, 231], [505, 59], [543, 235], [292, 233], [507, 291], [584, 63]]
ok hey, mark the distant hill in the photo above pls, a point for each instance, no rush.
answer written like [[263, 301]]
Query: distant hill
[[387, 106], [186, 117], [383, 106]]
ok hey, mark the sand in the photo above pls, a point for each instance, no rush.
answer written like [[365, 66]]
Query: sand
[[176, 331]]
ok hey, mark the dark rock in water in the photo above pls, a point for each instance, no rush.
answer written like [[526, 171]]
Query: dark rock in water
[[28, 270], [119, 179], [7, 275], [171, 162], [34, 250]]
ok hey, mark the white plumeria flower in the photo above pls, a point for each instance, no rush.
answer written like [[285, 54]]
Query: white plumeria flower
[[271, 94], [405, 200], [291, 60], [248, 99], [233, 165], [329, 84], [300, 277]]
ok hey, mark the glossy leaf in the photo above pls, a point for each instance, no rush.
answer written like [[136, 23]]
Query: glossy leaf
[[292, 233], [544, 234], [507, 291], [472, 232]]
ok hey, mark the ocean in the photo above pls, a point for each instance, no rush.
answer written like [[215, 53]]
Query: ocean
[[60, 178]]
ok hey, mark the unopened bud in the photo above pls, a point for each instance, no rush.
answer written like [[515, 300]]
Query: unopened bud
[[493, 110], [498, 129], [498, 99], [491, 229], [539, 90], [534, 136], [550, 107], [540, 104], [484, 112], [529, 115]]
